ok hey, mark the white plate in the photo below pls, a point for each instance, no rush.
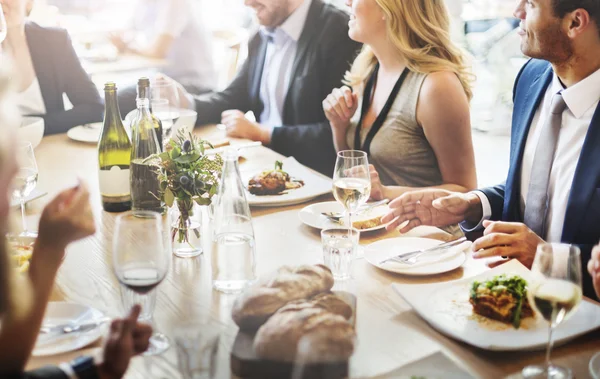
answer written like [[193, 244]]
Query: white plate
[[311, 215], [445, 306], [429, 264], [61, 313], [314, 185], [89, 133]]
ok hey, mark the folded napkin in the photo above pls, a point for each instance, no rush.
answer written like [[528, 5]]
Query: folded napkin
[[433, 257]]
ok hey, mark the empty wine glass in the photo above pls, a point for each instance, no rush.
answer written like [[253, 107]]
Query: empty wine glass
[[351, 181], [555, 292], [140, 263], [25, 181], [165, 105]]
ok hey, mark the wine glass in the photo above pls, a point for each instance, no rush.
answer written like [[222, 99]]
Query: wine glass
[[351, 181], [165, 105], [555, 292], [25, 181], [140, 263], [3, 27]]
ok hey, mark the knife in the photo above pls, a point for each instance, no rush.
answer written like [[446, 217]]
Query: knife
[[442, 246], [50, 330]]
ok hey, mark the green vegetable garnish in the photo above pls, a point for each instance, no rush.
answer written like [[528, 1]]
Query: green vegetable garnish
[[513, 284], [278, 166]]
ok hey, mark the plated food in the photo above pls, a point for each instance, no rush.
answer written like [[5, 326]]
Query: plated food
[[370, 219], [273, 182], [502, 298], [290, 304]]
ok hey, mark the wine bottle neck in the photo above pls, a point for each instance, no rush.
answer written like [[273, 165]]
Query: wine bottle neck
[[111, 112]]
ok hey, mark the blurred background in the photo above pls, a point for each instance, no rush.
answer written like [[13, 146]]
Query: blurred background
[[485, 28]]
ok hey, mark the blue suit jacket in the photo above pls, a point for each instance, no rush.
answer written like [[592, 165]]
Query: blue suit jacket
[[582, 219]]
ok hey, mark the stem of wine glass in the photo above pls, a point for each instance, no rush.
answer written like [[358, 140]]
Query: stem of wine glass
[[349, 224], [550, 343], [23, 219]]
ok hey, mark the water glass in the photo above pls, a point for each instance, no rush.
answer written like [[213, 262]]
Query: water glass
[[25, 181], [197, 349], [339, 250]]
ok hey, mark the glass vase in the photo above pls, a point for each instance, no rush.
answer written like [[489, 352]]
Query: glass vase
[[186, 229]]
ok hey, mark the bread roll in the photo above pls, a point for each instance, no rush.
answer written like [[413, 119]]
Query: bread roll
[[330, 337], [259, 302]]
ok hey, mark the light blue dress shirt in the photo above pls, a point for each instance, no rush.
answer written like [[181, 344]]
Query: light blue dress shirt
[[279, 62]]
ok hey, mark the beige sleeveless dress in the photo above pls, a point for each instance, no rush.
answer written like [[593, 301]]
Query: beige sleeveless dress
[[400, 151]]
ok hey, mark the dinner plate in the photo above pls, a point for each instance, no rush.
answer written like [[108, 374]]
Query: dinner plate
[[311, 215], [89, 133], [446, 307], [429, 264], [59, 313], [315, 185]]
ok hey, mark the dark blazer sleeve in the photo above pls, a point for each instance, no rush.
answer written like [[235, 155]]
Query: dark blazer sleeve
[[49, 372], [82, 93], [236, 96], [496, 197], [312, 144], [587, 281]]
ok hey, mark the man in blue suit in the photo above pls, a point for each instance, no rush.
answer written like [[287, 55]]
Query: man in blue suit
[[552, 192]]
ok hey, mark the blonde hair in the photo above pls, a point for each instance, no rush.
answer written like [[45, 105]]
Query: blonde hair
[[420, 30]]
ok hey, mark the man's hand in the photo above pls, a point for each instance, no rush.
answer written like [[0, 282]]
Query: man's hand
[[432, 207], [507, 239], [238, 126], [594, 268], [118, 41], [126, 339]]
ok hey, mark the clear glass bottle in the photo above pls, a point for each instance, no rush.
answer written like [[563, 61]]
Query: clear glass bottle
[[145, 189], [234, 249]]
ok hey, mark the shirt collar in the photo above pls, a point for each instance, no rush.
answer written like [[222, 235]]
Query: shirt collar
[[293, 25], [581, 96]]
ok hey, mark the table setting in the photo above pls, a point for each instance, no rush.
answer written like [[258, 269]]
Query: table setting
[[411, 291]]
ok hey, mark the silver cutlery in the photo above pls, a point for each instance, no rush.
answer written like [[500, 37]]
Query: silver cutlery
[[240, 146], [337, 216], [49, 329], [411, 257]]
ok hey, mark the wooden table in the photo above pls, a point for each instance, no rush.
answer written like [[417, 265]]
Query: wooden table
[[390, 334]]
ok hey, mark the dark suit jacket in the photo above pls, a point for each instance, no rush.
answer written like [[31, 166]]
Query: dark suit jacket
[[582, 219], [324, 54], [59, 71]]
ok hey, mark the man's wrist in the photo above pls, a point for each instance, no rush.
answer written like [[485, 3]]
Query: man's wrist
[[264, 135], [475, 211]]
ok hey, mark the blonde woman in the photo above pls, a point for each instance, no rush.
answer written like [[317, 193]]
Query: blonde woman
[[407, 99], [23, 297]]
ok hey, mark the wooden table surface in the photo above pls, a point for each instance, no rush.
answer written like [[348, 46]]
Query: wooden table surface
[[390, 334]]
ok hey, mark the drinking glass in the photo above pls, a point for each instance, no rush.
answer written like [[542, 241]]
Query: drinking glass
[[165, 105], [140, 263], [25, 181], [3, 27], [555, 292], [197, 348], [339, 250], [351, 181]]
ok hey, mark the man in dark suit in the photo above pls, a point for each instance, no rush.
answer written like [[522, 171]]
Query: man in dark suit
[[552, 192], [297, 58]]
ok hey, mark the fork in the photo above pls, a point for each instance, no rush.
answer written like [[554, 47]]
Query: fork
[[412, 257]]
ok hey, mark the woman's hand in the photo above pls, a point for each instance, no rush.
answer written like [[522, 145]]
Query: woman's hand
[[126, 339], [339, 108], [378, 190], [66, 219]]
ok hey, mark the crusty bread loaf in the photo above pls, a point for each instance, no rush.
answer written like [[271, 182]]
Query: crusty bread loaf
[[259, 302], [327, 301], [330, 336]]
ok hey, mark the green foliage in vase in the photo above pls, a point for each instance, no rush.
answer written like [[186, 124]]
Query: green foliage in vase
[[187, 176]]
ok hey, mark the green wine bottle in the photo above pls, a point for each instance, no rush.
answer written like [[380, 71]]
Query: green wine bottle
[[114, 156], [145, 190]]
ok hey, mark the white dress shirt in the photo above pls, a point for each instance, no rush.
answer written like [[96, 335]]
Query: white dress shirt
[[279, 61], [582, 100], [30, 101]]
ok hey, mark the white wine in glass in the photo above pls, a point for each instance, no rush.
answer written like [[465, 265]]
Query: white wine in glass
[[351, 180], [555, 293], [25, 181]]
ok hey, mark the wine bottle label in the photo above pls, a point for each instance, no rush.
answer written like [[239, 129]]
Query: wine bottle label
[[114, 182]]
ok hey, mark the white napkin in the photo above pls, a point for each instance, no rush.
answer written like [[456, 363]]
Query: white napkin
[[433, 257]]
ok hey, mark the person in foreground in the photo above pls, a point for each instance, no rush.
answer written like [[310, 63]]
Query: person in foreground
[[551, 192], [300, 54], [46, 68], [410, 106], [23, 297]]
